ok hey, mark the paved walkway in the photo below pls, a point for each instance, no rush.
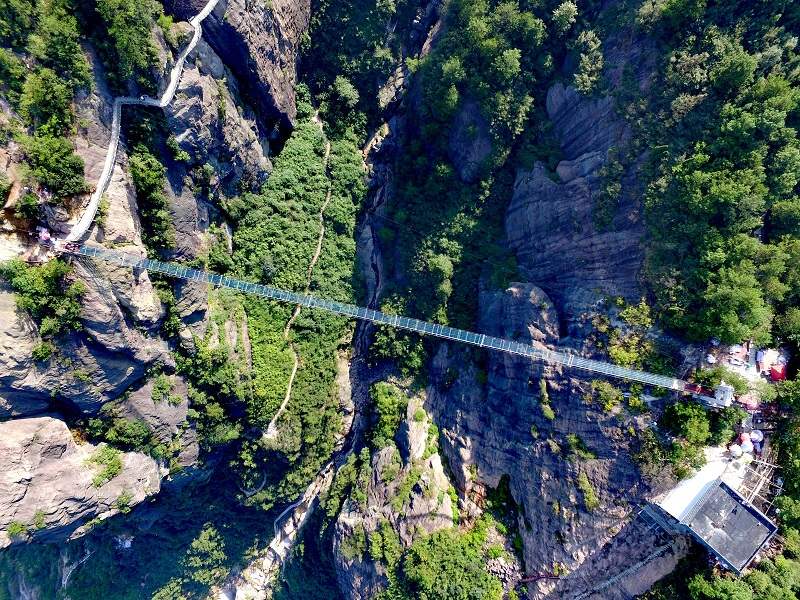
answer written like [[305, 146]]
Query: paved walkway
[[85, 222]]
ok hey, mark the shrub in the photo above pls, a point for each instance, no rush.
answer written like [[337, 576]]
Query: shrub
[[148, 177], [175, 150], [390, 404], [16, 528], [46, 100], [130, 434], [43, 292], [27, 207], [162, 388], [128, 24], [589, 497], [43, 352], [355, 544], [715, 375], [578, 447], [102, 212], [494, 551], [448, 566], [38, 520], [544, 401], [55, 165], [5, 186], [607, 395], [108, 462], [688, 420], [123, 502]]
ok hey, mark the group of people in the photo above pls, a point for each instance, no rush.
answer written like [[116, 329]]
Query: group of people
[[746, 445]]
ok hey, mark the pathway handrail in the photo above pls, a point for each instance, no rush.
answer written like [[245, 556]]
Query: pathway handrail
[[83, 224]]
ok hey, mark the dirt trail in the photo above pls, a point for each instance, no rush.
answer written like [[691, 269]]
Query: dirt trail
[[272, 428]]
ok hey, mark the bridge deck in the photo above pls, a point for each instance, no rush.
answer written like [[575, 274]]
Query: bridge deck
[[398, 321]]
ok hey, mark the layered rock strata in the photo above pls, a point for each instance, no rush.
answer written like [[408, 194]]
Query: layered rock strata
[[48, 483]]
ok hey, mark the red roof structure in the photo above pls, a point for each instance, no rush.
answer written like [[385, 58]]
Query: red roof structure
[[777, 372]]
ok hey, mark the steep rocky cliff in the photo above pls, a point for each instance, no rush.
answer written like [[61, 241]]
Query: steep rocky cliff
[[406, 496], [259, 42], [235, 94], [575, 513], [550, 223], [50, 486]]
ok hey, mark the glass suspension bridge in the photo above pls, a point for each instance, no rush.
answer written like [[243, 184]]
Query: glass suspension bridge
[[374, 316]]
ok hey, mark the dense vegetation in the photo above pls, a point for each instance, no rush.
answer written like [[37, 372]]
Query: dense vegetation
[[677, 448], [773, 579], [445, 565], [47, 34], [724, 162], [49, 296], [345, 63], [276, 236]]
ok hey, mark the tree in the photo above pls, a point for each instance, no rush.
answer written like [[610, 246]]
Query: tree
[[55, 165], [17, 18], [56, 43], [563, 17], [206, 556], [44, 293], [129, 23], [46, 100], [688, 420], [445, 566], [733, 68], [590, 66]]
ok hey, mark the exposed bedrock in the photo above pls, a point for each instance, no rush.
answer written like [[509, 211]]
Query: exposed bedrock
[[259, 41], [470, 142], [104, 360], [427, 509], [583, 125], [212, 124], [47, 487], [550, 224], [499, 427]]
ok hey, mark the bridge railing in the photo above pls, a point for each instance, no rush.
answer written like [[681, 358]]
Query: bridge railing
[[398, 321]]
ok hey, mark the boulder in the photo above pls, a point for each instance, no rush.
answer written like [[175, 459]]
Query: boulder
[[47, 486]]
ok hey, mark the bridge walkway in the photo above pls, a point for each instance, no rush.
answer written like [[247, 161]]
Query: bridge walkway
[[381, 318]]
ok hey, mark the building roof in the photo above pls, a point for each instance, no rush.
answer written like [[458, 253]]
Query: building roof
[[728, 525], [682, 497], [716, 514]]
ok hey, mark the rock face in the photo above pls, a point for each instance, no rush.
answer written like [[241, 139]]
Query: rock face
[[428, 507], [550, 224], [470, 142], [259, 41], [46, 484], [167, 419], [100, 367], [583, 125], [208, 124], [500, 428]]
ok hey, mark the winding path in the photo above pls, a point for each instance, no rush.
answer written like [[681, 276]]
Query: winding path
[[272, 428], [85, 222]]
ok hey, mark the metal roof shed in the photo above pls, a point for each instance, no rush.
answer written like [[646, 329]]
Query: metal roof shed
[[732, 528]]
